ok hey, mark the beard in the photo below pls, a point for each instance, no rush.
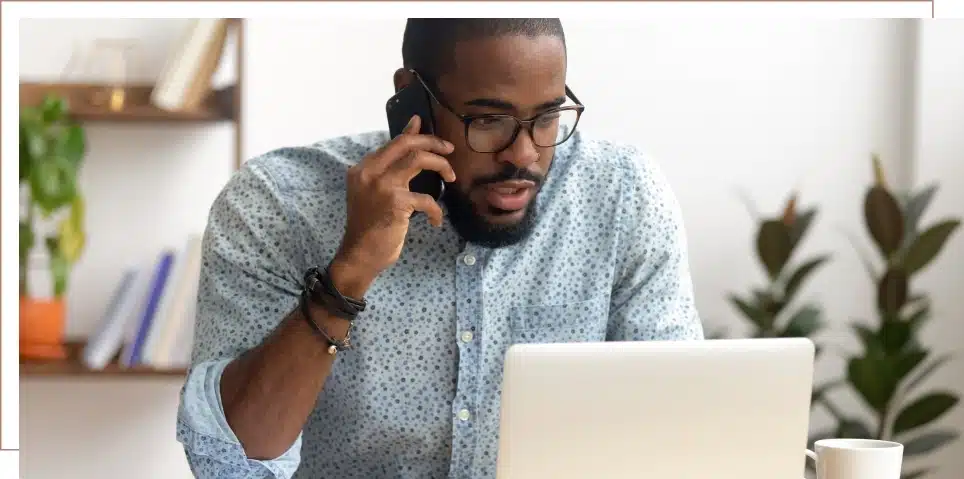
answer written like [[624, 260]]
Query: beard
[[474, 228]]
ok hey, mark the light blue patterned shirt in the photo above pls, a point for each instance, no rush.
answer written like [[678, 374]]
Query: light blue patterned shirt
[[419, 396]]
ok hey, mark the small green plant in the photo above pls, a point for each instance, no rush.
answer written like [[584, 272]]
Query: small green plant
[[52, 149], [890, 370], [768, 308]]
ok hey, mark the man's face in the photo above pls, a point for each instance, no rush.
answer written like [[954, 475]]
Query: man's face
[[492, 201]]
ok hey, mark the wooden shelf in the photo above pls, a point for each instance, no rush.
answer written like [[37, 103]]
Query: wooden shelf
[[74, 367], [137, 109]]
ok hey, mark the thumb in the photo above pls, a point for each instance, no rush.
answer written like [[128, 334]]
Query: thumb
[[414, 124]]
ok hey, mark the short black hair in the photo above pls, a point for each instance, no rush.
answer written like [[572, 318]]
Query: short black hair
[[428, 43]]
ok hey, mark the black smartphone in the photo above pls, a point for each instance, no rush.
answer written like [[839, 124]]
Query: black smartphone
[[401, 107]]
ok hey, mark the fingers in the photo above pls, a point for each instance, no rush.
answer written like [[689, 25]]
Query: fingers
[[426, 204], [407, 142], [420, 160], [413, 126]]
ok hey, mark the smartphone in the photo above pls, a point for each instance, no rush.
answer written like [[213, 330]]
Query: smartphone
[[401, 107]]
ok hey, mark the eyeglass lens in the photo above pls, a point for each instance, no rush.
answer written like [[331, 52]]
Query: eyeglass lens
[[493, 133]]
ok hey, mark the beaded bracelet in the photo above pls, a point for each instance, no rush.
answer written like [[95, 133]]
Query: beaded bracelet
[[334, 345]]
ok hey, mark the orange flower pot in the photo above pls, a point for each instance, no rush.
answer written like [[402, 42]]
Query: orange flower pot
[[42, 326]]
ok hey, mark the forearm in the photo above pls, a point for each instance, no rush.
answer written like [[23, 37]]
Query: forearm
[[211, 447], [268, 392]]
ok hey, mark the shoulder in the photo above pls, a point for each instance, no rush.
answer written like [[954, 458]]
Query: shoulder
[[617, 170], [319, 166], [289, 182]]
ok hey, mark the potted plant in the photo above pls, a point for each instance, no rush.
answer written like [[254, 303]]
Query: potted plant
[[888, 374], [768, 308], [52, 148]]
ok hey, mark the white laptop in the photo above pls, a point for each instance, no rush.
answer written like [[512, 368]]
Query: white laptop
[[713, 409]]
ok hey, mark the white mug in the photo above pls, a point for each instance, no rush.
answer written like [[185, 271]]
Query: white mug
[[857, 459]]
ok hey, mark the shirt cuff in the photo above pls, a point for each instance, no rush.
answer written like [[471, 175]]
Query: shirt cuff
[[212, 448]]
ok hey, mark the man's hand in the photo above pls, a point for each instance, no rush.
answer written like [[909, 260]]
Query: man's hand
[[380, 205]]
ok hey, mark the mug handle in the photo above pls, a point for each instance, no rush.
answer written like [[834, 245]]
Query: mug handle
[[812, 455]]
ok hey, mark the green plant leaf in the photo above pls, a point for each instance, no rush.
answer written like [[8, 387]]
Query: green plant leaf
[[803, 323], [923, 411], [873, 348], [752, 312], [892, 291], [797, 278], [27, 239], [36, 142], [914, 299], [914, 210], [800, 225], [928, 442], [54, 108], [919, 317], [874, 382], [52, 184], [915, 474], [927, 371], [769, 305], [72, 237], [906, 362], [26, 126], [59, 267], [774, 246], [894, 334], [884, 219], [74, 145], [928, 245]]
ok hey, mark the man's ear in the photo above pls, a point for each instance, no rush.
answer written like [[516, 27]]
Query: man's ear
[[403, 77]]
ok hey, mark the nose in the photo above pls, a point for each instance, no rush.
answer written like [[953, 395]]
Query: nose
[[523, 151]]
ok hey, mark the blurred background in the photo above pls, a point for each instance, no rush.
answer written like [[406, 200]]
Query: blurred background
[[742, 115]]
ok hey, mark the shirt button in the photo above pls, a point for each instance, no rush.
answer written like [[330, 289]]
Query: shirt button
[[469, 259], [464, 415], [467, 336]]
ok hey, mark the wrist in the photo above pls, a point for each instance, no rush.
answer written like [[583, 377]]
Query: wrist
[[351, 278]]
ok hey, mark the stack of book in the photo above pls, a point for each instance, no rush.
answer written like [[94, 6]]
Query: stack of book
[[149, 320]]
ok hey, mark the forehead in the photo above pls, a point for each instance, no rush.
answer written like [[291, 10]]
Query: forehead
[[523, 70]]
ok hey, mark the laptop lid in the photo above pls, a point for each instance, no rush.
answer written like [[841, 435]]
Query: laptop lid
[[667, 409]]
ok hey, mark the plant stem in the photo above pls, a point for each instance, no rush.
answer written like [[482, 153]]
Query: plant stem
[[882, 422], [24, 262]]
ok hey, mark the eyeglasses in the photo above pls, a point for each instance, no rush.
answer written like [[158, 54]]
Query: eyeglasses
[[493, 133]]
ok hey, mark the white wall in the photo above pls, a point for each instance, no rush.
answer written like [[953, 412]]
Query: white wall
[[939, 153], [761, 105]]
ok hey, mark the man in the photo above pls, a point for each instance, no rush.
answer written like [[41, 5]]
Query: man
[[541, 236]]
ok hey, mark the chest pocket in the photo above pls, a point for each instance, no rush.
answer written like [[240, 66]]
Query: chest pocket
[[583, 321]]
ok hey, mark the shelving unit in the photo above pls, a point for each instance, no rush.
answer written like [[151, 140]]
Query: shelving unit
[[221, 106], [72, 366]]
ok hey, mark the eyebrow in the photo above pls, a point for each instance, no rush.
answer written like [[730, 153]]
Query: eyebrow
[[504, 105]]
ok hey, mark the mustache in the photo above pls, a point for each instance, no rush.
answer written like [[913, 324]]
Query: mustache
[[510, 172]]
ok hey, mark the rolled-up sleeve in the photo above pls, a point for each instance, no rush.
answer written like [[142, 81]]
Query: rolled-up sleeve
[[249, 280], [652, 297]]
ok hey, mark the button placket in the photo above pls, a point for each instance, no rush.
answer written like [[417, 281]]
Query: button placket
[[468, 278]]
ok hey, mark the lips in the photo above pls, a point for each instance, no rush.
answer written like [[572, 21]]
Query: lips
[[510, 195]]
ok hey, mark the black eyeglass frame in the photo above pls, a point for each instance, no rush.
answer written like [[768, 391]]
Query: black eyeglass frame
[[467, 120]]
